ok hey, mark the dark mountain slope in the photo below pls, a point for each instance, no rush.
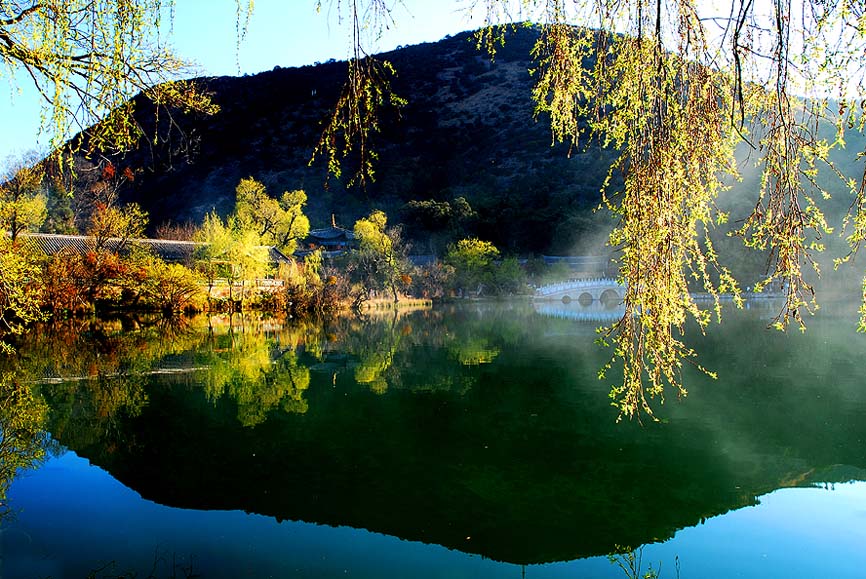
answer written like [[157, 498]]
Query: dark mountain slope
[[467, 131]]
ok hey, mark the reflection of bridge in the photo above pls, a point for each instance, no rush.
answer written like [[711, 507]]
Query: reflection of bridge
[[596, 312], [584, 291]]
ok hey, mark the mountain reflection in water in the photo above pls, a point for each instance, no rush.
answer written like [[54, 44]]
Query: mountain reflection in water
[[483, 429]]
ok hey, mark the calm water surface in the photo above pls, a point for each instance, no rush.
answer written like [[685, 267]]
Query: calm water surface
[[459, 442]]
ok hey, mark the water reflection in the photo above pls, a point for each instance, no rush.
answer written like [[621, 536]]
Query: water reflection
[[483, 429], [582, 311], [23, 441]]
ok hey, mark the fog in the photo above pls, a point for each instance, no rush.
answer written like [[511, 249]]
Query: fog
[[749, 266]]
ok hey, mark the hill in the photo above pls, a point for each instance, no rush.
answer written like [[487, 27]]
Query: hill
[[467, 131]]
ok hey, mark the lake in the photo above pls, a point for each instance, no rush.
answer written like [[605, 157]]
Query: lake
[[464, 441]]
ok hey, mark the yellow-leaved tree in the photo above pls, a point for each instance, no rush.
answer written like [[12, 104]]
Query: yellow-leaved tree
[[380, 260], [278, 222]]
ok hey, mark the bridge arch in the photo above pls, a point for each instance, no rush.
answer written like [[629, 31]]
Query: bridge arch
[[610, 297], [585, 291]]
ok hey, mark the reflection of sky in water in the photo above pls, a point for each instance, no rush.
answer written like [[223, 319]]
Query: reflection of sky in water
[[70, 511], [797, 532]]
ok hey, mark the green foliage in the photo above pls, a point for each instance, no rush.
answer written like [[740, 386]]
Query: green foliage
[[472, 260], [433, 215], [20, 296], [438, 222], [279, 223], [477, 264], [509, 278], [60, 215], [380, 260]]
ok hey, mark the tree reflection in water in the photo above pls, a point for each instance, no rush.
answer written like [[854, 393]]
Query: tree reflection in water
[[23, 440]]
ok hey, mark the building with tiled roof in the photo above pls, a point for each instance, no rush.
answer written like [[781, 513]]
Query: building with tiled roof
[[166, 249], [332, 241]]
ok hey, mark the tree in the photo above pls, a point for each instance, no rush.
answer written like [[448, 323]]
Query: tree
[[116, 227], [210, 258], [440, 221], [19, 292], [61, 217], [87, 58], [171, 287], [281, 223], [22, 201], [110, 266], [232, 251], [380, 258], [62, 282], [509, 277], [249, 259], [472, 260]]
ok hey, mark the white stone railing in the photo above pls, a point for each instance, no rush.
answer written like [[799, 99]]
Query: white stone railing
[[577, 284]]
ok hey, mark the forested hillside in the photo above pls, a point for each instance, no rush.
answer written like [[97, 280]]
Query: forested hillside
[[467, 132]]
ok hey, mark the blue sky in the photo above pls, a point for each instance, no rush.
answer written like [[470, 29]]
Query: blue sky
[[281, 33]]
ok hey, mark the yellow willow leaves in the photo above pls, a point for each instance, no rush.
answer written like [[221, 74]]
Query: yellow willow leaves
[[674, 85], [356, 118], [564, 82], [786, 221], [671, 128], [87, 58]]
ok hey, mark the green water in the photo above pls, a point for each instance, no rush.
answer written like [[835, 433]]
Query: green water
[[481, 429]]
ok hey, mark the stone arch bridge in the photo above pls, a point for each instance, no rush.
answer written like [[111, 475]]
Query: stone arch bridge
[[583, 291]]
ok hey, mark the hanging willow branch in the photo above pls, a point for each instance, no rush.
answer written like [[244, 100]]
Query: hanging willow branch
[[674, 87], [86, 59], [367, 91]]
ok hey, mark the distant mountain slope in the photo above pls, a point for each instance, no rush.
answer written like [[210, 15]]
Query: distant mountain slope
[[467, 131]]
